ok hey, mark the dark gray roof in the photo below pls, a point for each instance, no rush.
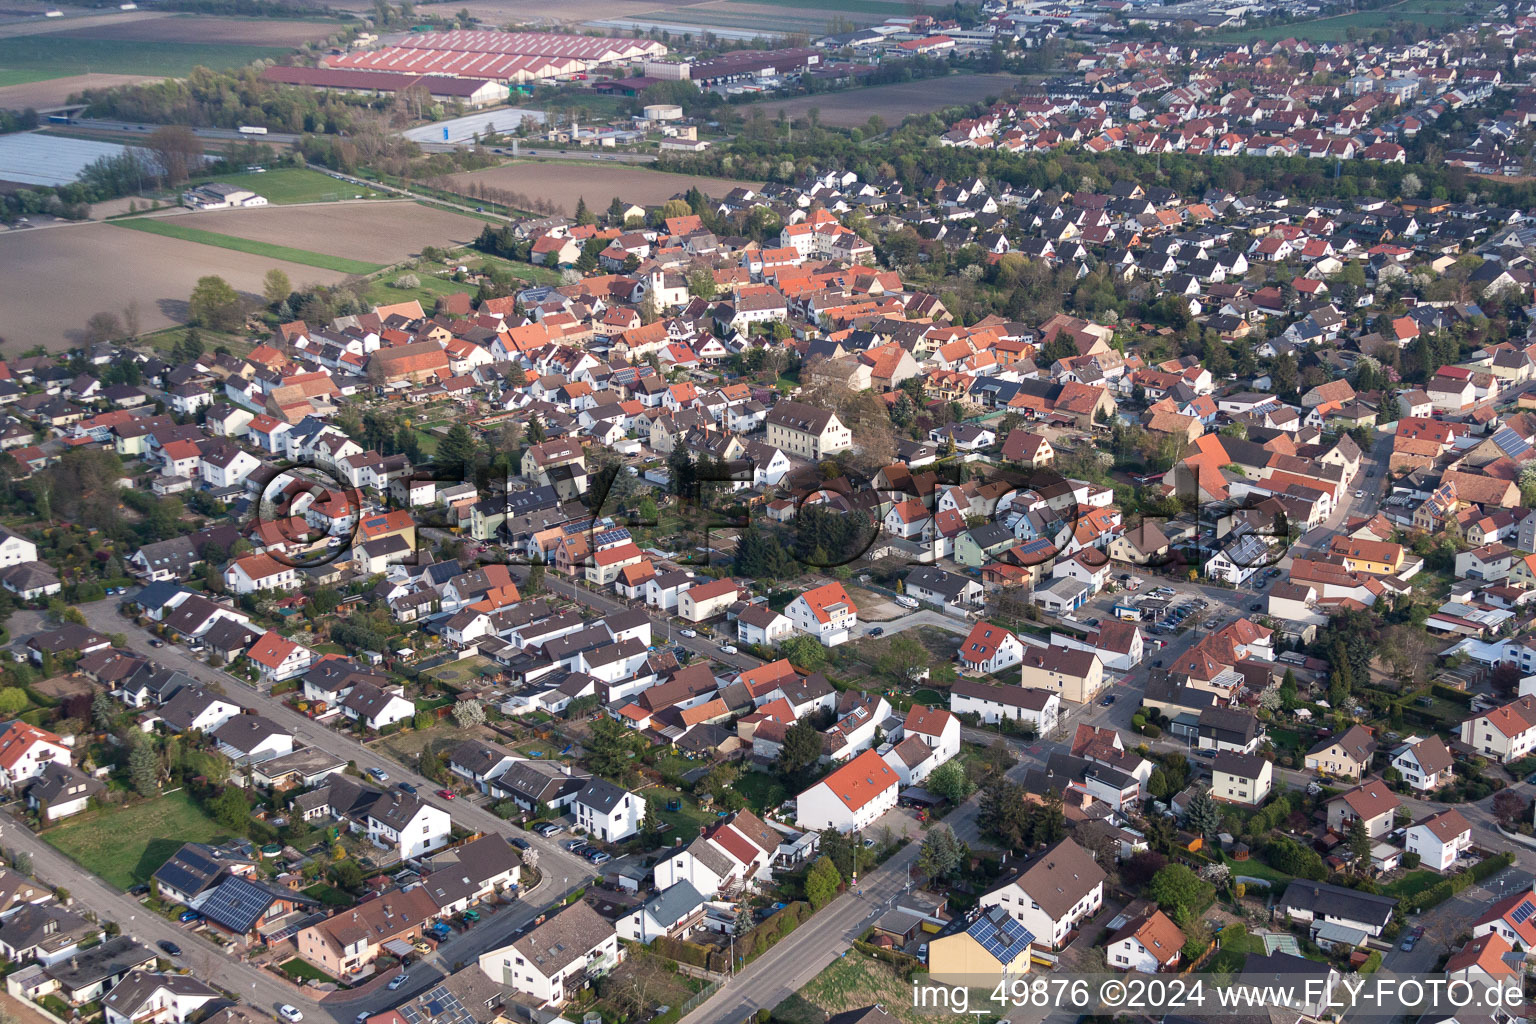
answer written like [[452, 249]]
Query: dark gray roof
[[673, 904], [602, 795], [1336, 901], [113, 958], [937, 580], [239, 903]]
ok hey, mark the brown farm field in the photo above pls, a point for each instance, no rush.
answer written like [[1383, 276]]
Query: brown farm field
[[190, 28], [55, 91], [853, 107], [57, 277], [375, 231], [565, 183]]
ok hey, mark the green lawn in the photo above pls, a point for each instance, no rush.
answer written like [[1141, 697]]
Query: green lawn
[[685, 821], [282, 185], [267, 249], [126, 845], [303, 970], [1411, 884], [1258, 869], [381, 291], [763, 791], [49, 56]]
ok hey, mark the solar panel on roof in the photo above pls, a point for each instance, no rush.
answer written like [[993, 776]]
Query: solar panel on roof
[[1523, 911]]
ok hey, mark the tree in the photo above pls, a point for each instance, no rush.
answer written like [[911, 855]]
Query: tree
[[13, 701], [801, 748], [429, 764], [456, 453], [1508, 807], [804, 652], [276, 287], [1359, 841], [1180, 893], [609, 750], [941, 852], [347, 874], [1201, 816], [535, 582], [216, 305], [903, 656], [468, 713], [949, 780], [103, 327], [1004, 816], [231, 809], [616, 212], [822, 882], [177, 150], [103, 711], [144, 768], [701, 284], [584, 216]]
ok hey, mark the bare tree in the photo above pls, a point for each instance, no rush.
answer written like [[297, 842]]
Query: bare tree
[[177, 150]]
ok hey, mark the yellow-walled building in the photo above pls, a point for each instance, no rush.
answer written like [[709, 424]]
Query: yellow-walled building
[[992, 948]]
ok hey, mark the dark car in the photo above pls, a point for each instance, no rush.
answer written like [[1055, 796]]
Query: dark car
[[877, 631], [1256, 607], [407, 787], [142, 889], [521, 844], [170, 947]]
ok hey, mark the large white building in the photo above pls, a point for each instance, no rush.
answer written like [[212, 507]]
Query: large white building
[[852, 797], [1055, 892], [825, 612]]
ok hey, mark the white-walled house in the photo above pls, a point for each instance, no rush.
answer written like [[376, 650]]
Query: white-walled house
[[254, 573], [25, 750], [567, 947], [1056, 891], [609, 812], [825, 612], [1148, 943], [991, 704], [1440, 839], [852, 797], [937, 728], [674, 912], [1424, 764]]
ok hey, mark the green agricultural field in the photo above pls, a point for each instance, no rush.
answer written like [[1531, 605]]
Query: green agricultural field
[[285, 185], [1336, 29], [9, 76], [47, 56], [381, 291], [125, 845], [255, 248]]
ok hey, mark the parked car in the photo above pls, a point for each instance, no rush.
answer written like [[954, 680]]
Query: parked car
[[398, 981], [549, 828], [598, 856], [170, 947], [689, 633], [727, 648], [407, 787], [290, 1013], [471, 916], [361, 1017], [447, 794], [1256, 607], [156, 642], [378, 774], [876, 631], [521, 844], [1409, 941], [1107, 701], [188, 916], [574, 844], [1209, 755], [141, 889], [422, 946]]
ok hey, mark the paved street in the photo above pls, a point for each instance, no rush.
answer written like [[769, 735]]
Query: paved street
[[561, 869]]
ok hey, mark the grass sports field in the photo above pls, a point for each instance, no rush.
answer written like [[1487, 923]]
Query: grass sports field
[[277, 252], [126, 845], [283, 185], [44, 56]]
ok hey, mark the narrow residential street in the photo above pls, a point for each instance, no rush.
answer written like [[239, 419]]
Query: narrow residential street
[[562, 871]]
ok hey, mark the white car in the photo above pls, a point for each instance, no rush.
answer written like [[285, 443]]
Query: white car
[[727, 648], [398, 981], [907, 602], [1359, 494], [689, 633], [290, 1013]]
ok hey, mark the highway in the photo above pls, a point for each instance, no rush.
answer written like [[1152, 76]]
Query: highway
[[136, 128]]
